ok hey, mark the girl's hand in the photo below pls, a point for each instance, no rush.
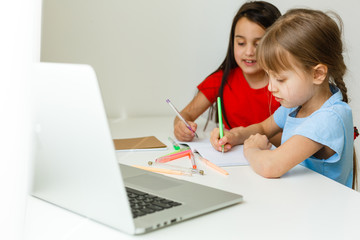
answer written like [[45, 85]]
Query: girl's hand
[[226, 140], [182, 133], [257, 141]]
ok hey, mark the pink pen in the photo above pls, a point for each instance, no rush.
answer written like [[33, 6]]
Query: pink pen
[[168, 158]]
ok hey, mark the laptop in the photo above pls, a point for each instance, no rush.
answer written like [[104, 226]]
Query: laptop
[[75, 166]]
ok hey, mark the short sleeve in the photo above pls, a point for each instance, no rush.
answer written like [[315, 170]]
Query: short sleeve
[[280, 116], [325, 127], [210, 86]]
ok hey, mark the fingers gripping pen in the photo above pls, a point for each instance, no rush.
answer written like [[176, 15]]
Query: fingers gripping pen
[[181, 118]]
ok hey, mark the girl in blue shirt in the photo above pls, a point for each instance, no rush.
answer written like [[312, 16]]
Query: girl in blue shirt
[[302, 55]]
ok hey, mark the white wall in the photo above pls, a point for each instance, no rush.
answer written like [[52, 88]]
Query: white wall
[[146, 51], [143, 51], [17, 41]]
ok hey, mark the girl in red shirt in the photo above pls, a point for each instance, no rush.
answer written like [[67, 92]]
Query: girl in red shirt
[[239, 80]]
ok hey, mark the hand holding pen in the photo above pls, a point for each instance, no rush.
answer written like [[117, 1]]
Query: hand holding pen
[[186, 127], [182, 133], [226, 142]]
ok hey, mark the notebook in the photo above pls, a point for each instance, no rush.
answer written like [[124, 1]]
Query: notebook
[[234, 157], [75, 166], [139, 144]]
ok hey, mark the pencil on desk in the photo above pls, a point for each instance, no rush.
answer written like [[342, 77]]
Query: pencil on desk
[[161, 170], [175, 145], [173, 167], [192, 158], [176, 151], [174, 156], [213, 166]]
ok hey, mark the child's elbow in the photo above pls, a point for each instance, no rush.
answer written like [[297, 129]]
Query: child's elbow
[[269, 174], [270, 171]]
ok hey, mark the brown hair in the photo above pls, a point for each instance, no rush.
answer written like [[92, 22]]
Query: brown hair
[[311, 37]]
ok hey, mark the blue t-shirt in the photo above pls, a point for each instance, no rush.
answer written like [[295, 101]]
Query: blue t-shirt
[[332, 126]]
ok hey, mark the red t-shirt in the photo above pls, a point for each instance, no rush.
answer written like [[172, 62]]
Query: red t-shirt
[[243, 105]]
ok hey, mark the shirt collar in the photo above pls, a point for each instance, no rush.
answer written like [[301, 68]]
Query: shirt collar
[[336, 97]]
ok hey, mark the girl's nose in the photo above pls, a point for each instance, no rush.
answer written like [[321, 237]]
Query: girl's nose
[[250, 50], [271, 86]]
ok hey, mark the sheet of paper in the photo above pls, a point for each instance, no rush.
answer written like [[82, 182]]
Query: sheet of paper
[[234, 157]]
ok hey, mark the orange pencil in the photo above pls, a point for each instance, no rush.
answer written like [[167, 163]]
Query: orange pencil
[[161, 170], [213, 166]]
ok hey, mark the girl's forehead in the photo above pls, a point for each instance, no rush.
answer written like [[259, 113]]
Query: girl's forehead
[[278, 61], [289, 72], [246, 25]]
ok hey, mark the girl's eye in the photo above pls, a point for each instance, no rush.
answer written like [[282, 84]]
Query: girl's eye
[[241, 43], [277, 79]]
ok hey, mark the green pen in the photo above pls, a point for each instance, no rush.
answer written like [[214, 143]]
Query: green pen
[[175, 145], [221, 127]]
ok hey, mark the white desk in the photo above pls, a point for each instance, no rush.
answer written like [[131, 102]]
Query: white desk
[[300, 205]]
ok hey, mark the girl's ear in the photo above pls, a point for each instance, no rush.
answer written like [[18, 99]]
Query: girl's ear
[[320, 73]]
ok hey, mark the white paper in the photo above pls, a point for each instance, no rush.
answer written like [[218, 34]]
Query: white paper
[[234, 157]]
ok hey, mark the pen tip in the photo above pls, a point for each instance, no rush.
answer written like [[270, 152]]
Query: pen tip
[[167, 100]]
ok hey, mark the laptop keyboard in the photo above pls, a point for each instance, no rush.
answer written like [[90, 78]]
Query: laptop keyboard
[[142, 203]]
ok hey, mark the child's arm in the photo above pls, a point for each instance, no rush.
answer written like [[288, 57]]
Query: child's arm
[[275, 163], [190, 113], [238, 135]]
